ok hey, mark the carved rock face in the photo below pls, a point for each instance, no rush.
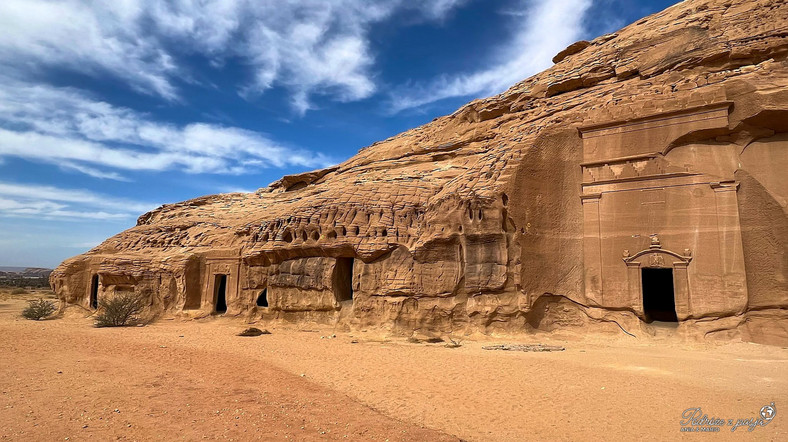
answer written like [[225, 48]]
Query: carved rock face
[[665, 137]]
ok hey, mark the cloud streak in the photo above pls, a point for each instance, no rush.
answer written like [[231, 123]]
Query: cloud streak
[[48, 202], [545, 27], [310, 47], [68, 128]]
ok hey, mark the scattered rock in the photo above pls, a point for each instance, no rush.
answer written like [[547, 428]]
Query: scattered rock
[[254, 331], [524, 347], [453, 343]]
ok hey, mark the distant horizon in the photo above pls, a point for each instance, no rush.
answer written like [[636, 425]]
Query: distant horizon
[[17, 268]]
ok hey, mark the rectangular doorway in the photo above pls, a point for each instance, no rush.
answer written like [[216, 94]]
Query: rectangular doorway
[[343, 279], [220, 293], [659, 301], [94, 282]]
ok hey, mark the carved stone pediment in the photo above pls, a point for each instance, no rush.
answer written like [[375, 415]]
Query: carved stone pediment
[[656, 256]]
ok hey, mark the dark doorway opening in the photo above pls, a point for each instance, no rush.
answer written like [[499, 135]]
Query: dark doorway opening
[[94, 292], [659, 302], [220, 284], [343, 279], [262, 300]]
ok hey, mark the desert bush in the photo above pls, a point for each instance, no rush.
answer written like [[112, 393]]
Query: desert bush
[[121, 310], [18, 291], [38, 309]]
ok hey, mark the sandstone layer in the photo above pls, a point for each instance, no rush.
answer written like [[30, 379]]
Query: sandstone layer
[[642, 175]]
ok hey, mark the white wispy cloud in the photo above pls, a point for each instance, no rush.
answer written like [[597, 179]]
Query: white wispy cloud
[[89, 244], [438, 9], [543, 28], [235, 189], [42, 201], [307, 46], [90, 37], [68, 128]]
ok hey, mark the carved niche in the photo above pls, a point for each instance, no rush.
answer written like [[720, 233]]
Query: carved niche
[[657, 257]]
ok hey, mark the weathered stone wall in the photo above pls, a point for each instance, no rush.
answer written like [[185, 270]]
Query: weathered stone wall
[[662, 145]]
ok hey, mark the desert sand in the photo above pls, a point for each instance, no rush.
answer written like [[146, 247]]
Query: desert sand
[[63, 379]]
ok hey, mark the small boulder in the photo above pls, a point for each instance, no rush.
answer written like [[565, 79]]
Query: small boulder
[[572, 49], [253, 331]]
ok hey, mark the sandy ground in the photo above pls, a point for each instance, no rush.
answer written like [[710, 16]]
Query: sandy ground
[[173, 380]]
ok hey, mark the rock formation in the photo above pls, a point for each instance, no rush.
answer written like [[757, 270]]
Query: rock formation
[[641, 177]]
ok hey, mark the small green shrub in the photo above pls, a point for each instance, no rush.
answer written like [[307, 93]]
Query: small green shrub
[[19, 291], [38, 309], [121, 310]]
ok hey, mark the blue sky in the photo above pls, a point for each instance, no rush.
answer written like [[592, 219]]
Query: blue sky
[[110, 109]]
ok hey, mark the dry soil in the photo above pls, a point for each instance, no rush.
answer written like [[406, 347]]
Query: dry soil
[[62, 379]]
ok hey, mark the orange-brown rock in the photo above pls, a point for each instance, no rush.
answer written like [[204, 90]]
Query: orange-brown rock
[[641, 177]]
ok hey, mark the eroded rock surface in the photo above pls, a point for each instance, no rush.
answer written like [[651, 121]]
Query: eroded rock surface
[[555, 204]]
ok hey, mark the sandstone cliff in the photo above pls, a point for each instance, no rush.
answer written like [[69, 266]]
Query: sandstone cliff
[[526, 210]]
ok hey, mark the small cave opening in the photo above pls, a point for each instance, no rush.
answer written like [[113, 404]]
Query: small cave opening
[[262, 300], [220, 284], [287, 237], [343, 279], [94, 283], [659, 302]]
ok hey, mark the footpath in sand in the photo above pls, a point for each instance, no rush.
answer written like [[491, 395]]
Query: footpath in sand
[[172, 380]]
